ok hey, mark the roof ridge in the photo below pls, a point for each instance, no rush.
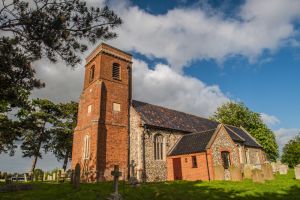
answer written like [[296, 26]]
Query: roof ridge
[[195, 133], [176, 110]]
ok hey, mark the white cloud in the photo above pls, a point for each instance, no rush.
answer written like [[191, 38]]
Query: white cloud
[[269, 119], [283, 135], [166, 87], [186, 34]]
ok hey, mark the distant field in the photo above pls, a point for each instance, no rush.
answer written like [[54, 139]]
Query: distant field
[[284, 187]]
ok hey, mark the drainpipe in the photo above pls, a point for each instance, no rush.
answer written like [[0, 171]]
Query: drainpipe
[[129, 106], [207, 165], [144, 155]]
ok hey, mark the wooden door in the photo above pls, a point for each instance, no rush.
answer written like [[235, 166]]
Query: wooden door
[[177, 169]]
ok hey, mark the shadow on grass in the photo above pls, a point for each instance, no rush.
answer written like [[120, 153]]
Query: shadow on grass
[[198, 190], [181, 190]]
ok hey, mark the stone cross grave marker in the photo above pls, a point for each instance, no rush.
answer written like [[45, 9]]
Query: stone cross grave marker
[[116, 174], [133, 180]]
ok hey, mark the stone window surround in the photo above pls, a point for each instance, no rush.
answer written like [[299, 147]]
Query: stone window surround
[[163, 146], [226, 150], [86, 147]]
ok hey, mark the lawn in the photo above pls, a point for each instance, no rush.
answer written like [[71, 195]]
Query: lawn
[[284, 187]]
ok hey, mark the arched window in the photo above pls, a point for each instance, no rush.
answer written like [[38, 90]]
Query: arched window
[[92, 73], [225, 159], [86, 147], [116, 71], [158, 147]]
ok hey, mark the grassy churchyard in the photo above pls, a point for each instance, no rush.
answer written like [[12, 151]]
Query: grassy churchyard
[[283, 187]]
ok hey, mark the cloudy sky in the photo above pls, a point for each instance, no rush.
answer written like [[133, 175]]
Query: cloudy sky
[[195, 55]]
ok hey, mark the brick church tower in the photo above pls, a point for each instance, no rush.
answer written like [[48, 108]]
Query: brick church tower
[[101, 137]]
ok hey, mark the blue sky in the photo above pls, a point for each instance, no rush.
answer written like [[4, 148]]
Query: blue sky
[[196, 55]]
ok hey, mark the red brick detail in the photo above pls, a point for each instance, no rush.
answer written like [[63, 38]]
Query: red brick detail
[[188, 172]]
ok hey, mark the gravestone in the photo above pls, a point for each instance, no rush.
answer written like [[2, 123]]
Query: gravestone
[[71, 174], [54, 176], [235, 173], [219, 172], [257, 176], [247, 172], [116, 174], [25, 177], [297, 172], [274, 167], [267, 171], [283, 169], [133, 180], [76, 176]]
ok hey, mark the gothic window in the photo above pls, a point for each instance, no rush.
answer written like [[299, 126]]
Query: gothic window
[[158, 147], [116, 71], [86, 147], [92, 73], [225, 159], [194, 162]]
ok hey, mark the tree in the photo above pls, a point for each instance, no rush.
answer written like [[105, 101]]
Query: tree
[[53, 29], [35, 123], [237, 114], [291, 152], [62, 132]]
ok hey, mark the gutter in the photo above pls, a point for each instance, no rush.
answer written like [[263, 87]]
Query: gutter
[[208, 173]]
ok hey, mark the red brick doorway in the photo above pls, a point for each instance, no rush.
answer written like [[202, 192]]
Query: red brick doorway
[[177, 169]]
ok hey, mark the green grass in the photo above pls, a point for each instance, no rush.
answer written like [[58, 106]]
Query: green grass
[[284, 187]]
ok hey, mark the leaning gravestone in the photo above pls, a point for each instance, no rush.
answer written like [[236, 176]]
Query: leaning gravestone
[[247, 172], [267, 171], [219, 172], [257, 176], [297, 172], [283, 169], [235, 173], [76, 176]]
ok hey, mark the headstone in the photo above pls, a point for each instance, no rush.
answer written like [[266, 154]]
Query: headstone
[[76, 178], [247, 172], [267, 171], [54, 176], [25, 177], [235, 173], [58, 175], [133, 180], [219, 172], [283, 169], [257, 176], [116, 174], [297, 172], [274, 167], [71, 176]]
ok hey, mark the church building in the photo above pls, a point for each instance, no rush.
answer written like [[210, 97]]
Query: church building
[[149, 142]]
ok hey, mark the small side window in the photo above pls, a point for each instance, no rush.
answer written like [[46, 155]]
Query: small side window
[[92, 73], [116, 107], [194, 162], [89, 109]]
